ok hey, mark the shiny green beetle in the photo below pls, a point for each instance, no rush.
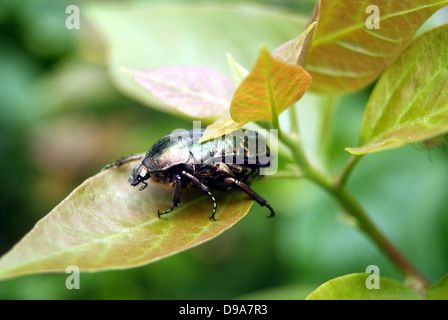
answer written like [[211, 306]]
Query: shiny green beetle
[[232, 161]]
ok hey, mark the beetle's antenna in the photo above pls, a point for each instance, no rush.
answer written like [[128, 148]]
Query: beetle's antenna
[[144, 185]]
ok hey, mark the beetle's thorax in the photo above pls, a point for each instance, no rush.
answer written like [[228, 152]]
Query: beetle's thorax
[[166, 153]]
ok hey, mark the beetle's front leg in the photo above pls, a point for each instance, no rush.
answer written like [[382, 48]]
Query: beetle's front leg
[[123, 160], [203, 188], [176, 196]]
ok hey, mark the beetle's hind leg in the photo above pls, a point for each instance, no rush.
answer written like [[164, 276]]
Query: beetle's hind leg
[[123, 160], [203, 188], [176, 196], [251, 193]]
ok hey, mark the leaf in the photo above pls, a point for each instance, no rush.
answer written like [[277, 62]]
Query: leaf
[[225, 124], [439, 290], [353, 287], [410, 101], [269, 89], [106, 224], [220, 127], [291, 51], [345, 55], [147, 35], [237, 71], [198, 92]]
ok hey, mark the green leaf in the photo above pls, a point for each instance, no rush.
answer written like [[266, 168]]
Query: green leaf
[[439, 290], [410, 101], [353, 287], [269, 89], [145, 35], [106, 224], [237, 71], [345, 55]]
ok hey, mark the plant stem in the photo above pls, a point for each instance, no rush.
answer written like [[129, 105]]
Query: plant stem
[[327, 107], [353, 208], [341, 181], [293, 119]]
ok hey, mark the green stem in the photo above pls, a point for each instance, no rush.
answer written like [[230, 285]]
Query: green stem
[[293, 119], [327, 106], [297, 151], [341, 181], [353, 208]]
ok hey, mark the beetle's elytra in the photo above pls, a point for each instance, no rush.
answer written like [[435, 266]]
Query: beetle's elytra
[[221, 164]]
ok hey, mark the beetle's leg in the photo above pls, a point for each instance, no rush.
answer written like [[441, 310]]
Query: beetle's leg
[[203, 188], [176, 196], [251, 193], [123, 161]]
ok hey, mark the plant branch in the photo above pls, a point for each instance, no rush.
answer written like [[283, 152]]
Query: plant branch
[[351, 206], [293, 119], [341, 181], [354, 209], [327, 106]]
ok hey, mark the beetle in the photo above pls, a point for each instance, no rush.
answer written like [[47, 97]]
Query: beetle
[[221, 164]]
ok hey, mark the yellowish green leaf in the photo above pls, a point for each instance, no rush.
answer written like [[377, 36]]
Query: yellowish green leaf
[[439, 290], [353, 287], [107, 224], [269, 89], [237, 71], [410, 101], [347, 50], [220, 127]]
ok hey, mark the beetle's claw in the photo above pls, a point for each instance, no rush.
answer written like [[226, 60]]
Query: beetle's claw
[[143, 186], [160, 213], [272, 211]]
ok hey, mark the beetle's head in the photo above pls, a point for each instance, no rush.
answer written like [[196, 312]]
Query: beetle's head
[[140, 174]]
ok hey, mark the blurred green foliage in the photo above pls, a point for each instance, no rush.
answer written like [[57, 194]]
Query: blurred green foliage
[[61, 120]]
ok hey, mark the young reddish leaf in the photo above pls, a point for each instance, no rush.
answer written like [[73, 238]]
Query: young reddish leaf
[[345, 55], [269, 89], [353, 287], [106, 224], [291, 51], [198, 92], [410, 101]]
